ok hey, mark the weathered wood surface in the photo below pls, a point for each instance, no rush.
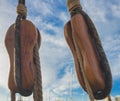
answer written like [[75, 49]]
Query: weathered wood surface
[[77, 27], [29, 36]]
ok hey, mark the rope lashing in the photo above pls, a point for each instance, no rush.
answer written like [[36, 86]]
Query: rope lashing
[[12, 96], [73, 4], [21, 9]]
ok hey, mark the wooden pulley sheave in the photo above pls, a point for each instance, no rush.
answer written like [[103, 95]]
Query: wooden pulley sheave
[[22, 42], [91, 64]]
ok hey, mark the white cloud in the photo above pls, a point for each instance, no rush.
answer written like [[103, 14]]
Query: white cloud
[[5, 67], [95, 10], [115, 68], [116, 10], [6, 18], [41, 7], [61, 87], [54, 52], [108, 28], [64, 17], [112, 48]]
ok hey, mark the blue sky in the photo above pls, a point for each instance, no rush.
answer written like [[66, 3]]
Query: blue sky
[[50, 16]]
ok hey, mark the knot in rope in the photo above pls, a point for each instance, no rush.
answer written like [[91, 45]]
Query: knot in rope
[[73, 4], [21, 9]]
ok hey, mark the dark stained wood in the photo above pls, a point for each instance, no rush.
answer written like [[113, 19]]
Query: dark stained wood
[[69, 39], [91, 65], [9, 42], [29, 36]]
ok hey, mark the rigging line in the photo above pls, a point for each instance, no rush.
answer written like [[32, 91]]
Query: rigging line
[[21, 1]]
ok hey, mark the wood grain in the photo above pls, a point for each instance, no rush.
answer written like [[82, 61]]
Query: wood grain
[[29, 36], [77, 27]]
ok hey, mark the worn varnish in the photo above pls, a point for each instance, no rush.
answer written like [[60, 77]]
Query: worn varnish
[[90, 59], [29, 36]]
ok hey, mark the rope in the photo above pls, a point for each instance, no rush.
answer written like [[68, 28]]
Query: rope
[[21, 15], [88, 87], [17, 50], [37, 90], [21, 9], [109, 98], [21, 1], [101, 54], [102, 57], [18, 80], [73, 5], [12, 96]]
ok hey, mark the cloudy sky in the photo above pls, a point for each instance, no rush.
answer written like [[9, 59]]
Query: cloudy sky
[[50, 16]]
